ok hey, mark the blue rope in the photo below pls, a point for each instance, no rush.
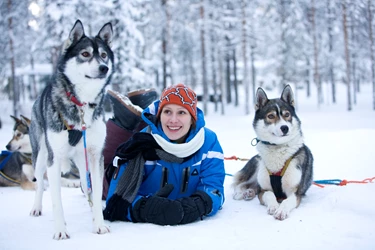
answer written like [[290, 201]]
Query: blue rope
[[6, 159], [322, 182], [331, 181], [88, 176]]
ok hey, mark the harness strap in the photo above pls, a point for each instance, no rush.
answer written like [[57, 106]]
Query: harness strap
[[9, 178], [282, 171], [275, 180]]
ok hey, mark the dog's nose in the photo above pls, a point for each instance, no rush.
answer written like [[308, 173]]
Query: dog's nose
[[103, 69], [284, 129], [8, 147]]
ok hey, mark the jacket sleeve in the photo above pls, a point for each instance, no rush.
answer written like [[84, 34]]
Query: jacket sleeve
[[212, 173]]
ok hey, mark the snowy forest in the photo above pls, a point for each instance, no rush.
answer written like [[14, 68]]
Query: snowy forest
[[223, 49]]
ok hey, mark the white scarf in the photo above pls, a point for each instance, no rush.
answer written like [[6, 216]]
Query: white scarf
[[184, 149]]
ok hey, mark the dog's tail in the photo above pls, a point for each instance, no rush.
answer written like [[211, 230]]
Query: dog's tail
[[248, 174]]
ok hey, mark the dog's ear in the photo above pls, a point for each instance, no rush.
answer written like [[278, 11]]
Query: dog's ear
[[25, 120], [287, 95], [106, 34], [77, 32], [75, 35], [261, 99], [15, 119]]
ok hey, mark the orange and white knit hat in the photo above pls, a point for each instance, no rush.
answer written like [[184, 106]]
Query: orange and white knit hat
[[181, 95]]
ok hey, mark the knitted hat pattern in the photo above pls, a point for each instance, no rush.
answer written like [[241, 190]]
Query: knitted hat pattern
[[181, 95]]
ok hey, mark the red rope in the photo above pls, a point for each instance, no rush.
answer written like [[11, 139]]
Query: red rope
[[235, 158], [345, 182], [341, 183]]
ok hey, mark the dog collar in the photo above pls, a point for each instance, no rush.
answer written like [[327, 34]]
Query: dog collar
[[255, 142], [74, 99]]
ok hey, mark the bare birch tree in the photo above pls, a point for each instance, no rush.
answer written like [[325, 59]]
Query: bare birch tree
[[205, 93], [372, 51], [245, 80], [347, 55]]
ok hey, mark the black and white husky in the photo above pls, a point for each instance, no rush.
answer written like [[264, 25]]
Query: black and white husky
[[282, 172], [67, 123]]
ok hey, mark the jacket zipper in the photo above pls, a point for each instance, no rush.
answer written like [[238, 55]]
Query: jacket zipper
[[165, 176], [185, 181]]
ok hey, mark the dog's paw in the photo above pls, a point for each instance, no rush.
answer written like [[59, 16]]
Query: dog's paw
[[271, 209], [246, 195], [249, 194], [103, 229], [238, 195], [61, 236], [36, 211], [281, 214], [70, 183]]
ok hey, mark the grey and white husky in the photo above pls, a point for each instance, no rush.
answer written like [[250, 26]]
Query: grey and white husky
[[282, 172], [67, 123]]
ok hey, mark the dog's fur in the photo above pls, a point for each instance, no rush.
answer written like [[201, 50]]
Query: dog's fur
[[18, 170], [72, 102], [279, 139]]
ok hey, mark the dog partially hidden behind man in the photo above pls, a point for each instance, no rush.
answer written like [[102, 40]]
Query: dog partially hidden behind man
[[67, 123], [282, 172]]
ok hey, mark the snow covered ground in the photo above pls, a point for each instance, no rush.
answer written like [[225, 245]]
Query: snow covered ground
[[334, 217]]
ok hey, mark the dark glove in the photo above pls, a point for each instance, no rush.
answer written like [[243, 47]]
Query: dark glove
[[116, 209], [195, 206], [158, 209]]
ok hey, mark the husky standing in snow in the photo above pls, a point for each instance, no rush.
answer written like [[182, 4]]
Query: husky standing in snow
[[282, 172], [67, 123]]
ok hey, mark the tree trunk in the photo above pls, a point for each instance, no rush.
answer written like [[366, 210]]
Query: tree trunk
[[213, 65], [353, 56], [228, 75], [245, 81], [221, 81], [346, 47], [253, 72], [235, 81], [33, 88], [371, 52], [330, 41], [15, 88], [316, 66], [282, 66], [164, 44], [308, 84], [203, 55]]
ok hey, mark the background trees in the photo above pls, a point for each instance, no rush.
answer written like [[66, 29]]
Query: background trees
[[223, 49]]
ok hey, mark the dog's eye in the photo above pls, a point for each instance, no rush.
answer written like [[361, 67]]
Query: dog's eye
[[18, 134], [85, 54], [271, 116], [103, 55], [287, 114]]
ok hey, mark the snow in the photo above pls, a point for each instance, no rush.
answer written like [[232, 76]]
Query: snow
[[334, 217]]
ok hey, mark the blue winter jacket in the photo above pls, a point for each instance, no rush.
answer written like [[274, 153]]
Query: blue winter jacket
[[204, 170]]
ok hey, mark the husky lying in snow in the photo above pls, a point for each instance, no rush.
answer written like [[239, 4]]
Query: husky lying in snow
[[16, 167], [282, 172]]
